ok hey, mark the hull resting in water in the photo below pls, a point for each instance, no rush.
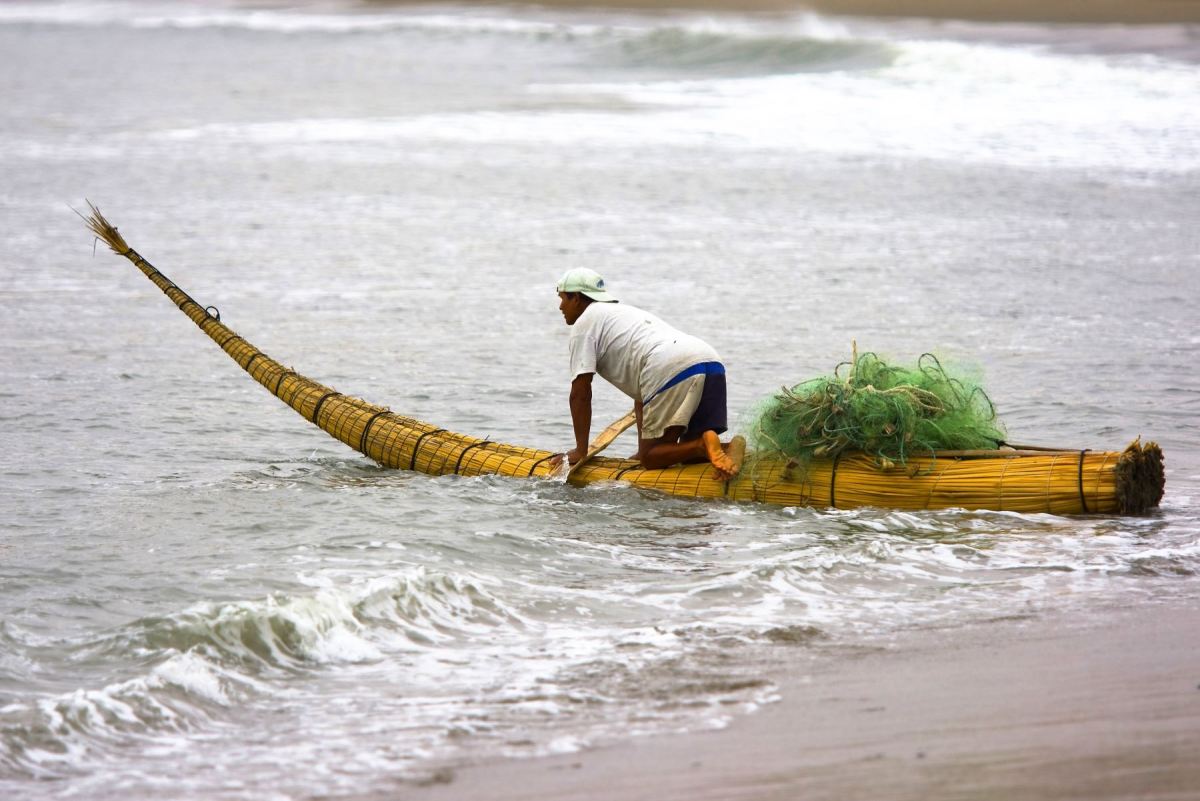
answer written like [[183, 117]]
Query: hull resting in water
[[1032, 480]]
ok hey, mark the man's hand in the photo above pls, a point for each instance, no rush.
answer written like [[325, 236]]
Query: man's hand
[[572, 456]]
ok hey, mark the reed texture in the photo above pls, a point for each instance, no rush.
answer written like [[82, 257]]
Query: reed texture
[[1027, 480]]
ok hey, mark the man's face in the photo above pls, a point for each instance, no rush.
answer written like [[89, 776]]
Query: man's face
[[571, 304]]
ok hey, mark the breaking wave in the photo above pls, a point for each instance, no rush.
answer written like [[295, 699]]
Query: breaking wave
[[201, 662], [680, 43]]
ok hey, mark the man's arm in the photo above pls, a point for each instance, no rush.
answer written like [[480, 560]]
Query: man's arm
[[637, 411], [581, 415]]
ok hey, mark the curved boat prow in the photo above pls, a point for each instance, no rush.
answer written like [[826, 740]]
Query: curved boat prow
[[1059, 482], [375, 431]]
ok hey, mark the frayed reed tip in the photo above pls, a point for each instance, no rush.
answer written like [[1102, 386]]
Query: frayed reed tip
[[105, 230]]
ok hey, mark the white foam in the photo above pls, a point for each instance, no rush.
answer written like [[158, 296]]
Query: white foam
[[977, 105], [936, 100], [950, 101], [183, 15], [194, 675], [528, 22]]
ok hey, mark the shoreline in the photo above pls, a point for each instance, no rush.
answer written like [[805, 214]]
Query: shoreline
[[1101, 708], [1148, 12], [1112, 12]]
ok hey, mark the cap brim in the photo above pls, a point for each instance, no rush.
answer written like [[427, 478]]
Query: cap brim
[[600, 296]]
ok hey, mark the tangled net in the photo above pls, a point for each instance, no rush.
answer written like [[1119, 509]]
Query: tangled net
[[890, 413]]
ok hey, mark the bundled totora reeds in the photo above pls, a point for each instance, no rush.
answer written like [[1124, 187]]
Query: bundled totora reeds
[[896, 423]]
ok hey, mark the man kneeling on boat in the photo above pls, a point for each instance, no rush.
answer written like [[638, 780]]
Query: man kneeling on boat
[[677, 381]]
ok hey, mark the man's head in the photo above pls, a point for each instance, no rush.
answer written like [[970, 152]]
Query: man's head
[[577, 289]]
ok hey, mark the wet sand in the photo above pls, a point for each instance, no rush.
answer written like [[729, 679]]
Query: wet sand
[[1103, 708], [1143, 12], [1076, 11]]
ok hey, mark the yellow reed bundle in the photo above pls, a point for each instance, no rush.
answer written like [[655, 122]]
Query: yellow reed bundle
[[1056, 482], [1059, 482]]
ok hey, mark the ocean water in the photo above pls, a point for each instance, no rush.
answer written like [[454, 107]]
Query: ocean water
[[204, 597]]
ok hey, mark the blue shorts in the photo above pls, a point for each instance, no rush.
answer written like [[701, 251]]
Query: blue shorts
[[702, 385], [711, 414]]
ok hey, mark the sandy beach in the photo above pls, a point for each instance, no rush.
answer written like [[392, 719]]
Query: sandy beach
[[1065, 11], [1107, 708], [1146, 12]]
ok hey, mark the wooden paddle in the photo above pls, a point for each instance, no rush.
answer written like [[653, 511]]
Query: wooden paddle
[[603, 440]]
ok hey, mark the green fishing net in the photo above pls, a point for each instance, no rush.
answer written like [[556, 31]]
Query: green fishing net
[[890, 413]]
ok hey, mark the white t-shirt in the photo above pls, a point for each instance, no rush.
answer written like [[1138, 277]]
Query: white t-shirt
[[632, 349]]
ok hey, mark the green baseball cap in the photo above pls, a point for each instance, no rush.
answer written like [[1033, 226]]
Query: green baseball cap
[[589, 282]]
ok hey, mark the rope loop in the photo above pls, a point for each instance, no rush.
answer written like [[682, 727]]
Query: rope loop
[[1082, 495], [458, 464], [540, 462]]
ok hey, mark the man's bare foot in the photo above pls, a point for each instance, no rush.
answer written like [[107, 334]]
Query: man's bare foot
[[736, 448], [725, 466]]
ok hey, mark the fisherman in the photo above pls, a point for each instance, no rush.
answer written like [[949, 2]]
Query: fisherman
[[677, 381]]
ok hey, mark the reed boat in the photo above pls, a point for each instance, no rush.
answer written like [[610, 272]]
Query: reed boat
[[1021, 479]]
